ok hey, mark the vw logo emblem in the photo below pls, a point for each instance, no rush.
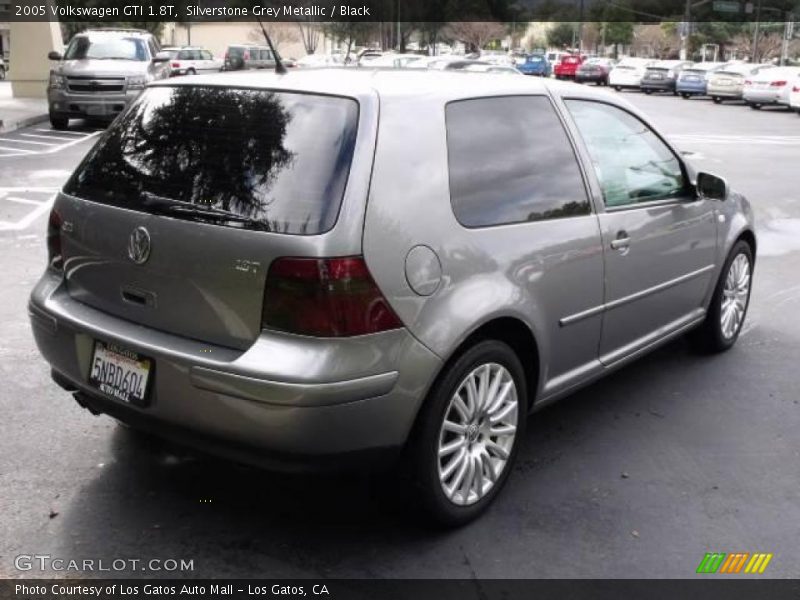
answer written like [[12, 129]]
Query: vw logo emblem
[[139, 246]]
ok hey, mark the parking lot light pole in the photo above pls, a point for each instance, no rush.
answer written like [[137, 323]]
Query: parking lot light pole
[[687, 17]]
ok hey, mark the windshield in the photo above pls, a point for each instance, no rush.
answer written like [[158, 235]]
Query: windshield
[[106, 48], [275, 161]]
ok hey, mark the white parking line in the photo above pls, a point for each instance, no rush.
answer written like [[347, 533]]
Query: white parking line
[[23, 200], [41, 206], [60, 132], [58, 143], [49, 137], [15, 141], [23, 151]]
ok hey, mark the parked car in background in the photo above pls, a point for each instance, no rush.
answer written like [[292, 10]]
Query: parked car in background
[[595, 70], [555, 57], [693, 80], [459, 64], [344, 327], [535, 64], [248, 56], [628, 73], [491, 68], [320, 60], [662, 76], [101, 71], [3, 68], [367, 54], [191, 60], [794, 96], [727, 83], [567, 66], [770, 87], [390, 60]]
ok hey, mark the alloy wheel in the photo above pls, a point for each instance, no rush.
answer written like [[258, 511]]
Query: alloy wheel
[[477, 434], [735, 294]]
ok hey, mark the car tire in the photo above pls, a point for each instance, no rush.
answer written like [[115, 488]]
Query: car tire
[[716, 100], [471, 447], [754, 106], [58, 122], [617, 88], [686, 96], [648, 92], [719, 333], [191, 72]]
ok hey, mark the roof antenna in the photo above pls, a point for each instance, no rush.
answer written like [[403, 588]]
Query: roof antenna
[[279, 68]]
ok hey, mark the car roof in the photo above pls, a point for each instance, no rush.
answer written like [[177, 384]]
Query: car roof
[[437, 86]]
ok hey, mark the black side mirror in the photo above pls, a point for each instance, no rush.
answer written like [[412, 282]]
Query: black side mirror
[[53, 55], [711, 187]]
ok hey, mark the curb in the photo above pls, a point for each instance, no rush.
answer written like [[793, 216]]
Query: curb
[[23, 122]]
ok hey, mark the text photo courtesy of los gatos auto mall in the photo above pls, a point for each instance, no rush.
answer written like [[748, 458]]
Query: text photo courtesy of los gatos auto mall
[[399, 299]]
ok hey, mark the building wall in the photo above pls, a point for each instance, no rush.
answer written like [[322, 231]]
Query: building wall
[[217, 36]]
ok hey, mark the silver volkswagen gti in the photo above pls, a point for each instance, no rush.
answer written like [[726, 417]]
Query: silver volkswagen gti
[[328, 266]]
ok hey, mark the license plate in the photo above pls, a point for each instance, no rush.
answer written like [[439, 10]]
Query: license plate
[[724, 82], [655, 76], [96, 109], [120, 373], [692, 78]]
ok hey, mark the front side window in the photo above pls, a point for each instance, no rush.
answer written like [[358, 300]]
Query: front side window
[[511, 161], [632, 164], [255, 159], [106, 48]]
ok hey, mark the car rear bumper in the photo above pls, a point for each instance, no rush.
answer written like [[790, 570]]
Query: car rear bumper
[[70, 104], [697, 90], [666, 85], [725, 91], [355, 398], [589, 77], [761, 96]]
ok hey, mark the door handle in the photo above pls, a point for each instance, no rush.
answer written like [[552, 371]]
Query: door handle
[[622, 242]]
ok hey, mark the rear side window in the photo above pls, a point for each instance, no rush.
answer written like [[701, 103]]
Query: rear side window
[[271, 161], [511, 161]]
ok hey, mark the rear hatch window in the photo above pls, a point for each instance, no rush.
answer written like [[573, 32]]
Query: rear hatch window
[[253, 159]]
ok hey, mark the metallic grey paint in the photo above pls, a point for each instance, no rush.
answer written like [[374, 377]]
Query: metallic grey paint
[[591, 307]]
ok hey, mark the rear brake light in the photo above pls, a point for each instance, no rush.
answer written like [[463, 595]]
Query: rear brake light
[[246, 56], [778, 83], [327, 297], [176, 65], [796, 88], [748, 82], [54, 256]]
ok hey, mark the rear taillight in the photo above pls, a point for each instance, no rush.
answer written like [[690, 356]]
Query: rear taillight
[[176, 65], [748, 82], [54, 223], [246, 56], [778, 83], [796, 89], [327, 297]]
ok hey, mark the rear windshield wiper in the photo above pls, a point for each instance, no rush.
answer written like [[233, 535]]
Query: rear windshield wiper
[[181, 207]]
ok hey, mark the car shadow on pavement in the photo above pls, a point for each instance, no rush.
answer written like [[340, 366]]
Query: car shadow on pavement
[[153, 500]]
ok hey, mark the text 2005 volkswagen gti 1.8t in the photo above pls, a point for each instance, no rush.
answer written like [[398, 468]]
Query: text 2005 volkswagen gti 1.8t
[[352, 265]]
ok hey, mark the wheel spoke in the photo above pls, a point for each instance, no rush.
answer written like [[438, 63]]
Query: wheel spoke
[[461, 408], [501, 415], [451, 447], [466, 485], [502, 430], [486, 461], [472, 396], [462, 471], [455, 428], [501, 397], [497, 450], [454, 463]]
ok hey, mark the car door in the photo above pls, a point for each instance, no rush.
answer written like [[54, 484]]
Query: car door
[[659, 238]]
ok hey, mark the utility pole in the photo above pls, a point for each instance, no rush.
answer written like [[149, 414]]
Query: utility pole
[[687, 20], [788, 32], [756, 32]]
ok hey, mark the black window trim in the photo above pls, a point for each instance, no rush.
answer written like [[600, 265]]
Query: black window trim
[[689, 189], [567, 133]]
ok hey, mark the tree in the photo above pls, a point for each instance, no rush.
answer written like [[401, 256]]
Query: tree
[[349, 33], [309, 35], [475, 34], [656, 40], [561, 36], [279, 33]]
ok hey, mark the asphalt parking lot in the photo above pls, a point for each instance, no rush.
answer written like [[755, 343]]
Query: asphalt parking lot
[[636, 476]]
